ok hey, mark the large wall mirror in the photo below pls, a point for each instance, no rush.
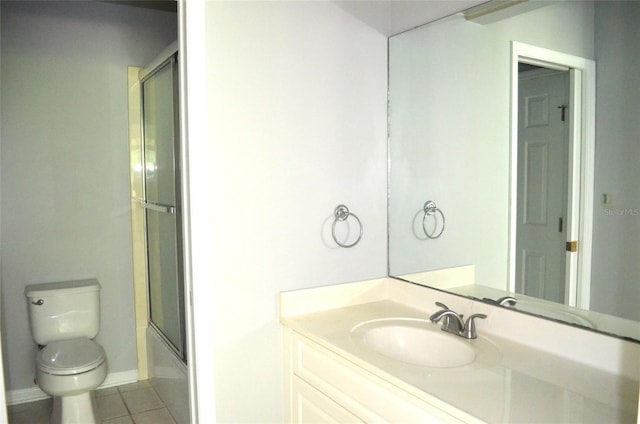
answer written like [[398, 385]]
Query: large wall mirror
[[522, 127]]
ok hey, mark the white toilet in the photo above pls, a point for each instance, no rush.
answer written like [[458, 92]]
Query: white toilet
[[64, 317]]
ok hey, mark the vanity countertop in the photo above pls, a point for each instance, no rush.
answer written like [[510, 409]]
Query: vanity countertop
[[522, 383]]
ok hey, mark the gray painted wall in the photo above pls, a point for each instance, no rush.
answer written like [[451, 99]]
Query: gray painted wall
[[65, 161], [615, 288]]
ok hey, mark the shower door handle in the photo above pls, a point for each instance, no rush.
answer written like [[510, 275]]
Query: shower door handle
[[158, 207]]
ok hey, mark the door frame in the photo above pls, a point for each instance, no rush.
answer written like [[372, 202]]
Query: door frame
[[581, 164]]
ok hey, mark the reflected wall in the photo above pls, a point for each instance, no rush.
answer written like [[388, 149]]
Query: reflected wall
[[449, 134], [615, 275]]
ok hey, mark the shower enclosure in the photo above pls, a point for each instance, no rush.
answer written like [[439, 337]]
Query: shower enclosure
[[161, 179]]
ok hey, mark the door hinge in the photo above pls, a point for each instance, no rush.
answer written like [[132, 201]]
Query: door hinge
[[560, 226], [564, 109], [572, 246]]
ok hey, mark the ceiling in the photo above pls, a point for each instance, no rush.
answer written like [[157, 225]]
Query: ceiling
[[391, 17], [388, 17], [166, 5]]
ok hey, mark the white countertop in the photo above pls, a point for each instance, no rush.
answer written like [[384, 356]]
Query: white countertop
[[521, 384]]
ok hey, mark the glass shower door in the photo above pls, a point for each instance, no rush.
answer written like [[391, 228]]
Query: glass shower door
[[162, 203]]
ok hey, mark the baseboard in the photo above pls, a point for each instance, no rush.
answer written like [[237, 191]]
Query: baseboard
[[119, 378], [15, 397]]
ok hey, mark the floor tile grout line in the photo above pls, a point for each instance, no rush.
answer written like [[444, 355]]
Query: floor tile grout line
[[171, 415], [142, 387], [125, 404], [161, 406]]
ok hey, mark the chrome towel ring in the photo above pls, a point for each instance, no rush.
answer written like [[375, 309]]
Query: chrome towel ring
[[430, 209], [342, 214]]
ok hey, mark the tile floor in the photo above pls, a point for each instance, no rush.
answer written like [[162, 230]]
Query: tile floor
[[136, 403]]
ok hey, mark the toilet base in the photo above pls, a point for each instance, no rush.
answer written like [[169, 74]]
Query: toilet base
[[74, 409]]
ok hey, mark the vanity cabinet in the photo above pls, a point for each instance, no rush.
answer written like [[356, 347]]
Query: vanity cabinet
[[333, 375], [309, 405], [323, 386]]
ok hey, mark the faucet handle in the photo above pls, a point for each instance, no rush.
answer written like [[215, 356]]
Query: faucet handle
[[441, 305], [469, 330], [507, 301]]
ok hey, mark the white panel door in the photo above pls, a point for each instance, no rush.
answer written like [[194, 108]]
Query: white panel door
[[542, 184]]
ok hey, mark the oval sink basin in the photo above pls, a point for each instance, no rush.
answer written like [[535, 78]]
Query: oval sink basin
[[415, 341]]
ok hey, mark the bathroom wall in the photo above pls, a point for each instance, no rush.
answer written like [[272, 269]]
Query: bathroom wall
[[295, 125], [465, 61], [65, 163], [616, 243]]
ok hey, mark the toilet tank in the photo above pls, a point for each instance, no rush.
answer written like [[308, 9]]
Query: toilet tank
[[63, 310]]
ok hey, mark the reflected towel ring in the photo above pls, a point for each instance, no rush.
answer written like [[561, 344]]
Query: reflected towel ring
[[342, 213], [430, 209]]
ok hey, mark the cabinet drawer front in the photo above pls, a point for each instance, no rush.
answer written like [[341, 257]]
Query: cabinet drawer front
[[311, 406], [364, 394]]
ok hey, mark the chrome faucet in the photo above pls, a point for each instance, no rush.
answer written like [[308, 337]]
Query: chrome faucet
[[451, 321], [508, 301], [454, 323]]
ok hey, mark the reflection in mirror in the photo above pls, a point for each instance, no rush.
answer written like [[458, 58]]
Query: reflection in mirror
[[517, 184], [542, 176], [552, 159]]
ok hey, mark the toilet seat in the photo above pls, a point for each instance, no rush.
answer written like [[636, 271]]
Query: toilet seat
[[69, 357]]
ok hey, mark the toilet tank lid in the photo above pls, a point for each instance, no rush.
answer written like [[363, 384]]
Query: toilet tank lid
[[62, 287]]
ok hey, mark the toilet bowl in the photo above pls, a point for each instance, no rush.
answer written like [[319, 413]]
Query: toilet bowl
[[64, 318], [70, 367], [70, 370]]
